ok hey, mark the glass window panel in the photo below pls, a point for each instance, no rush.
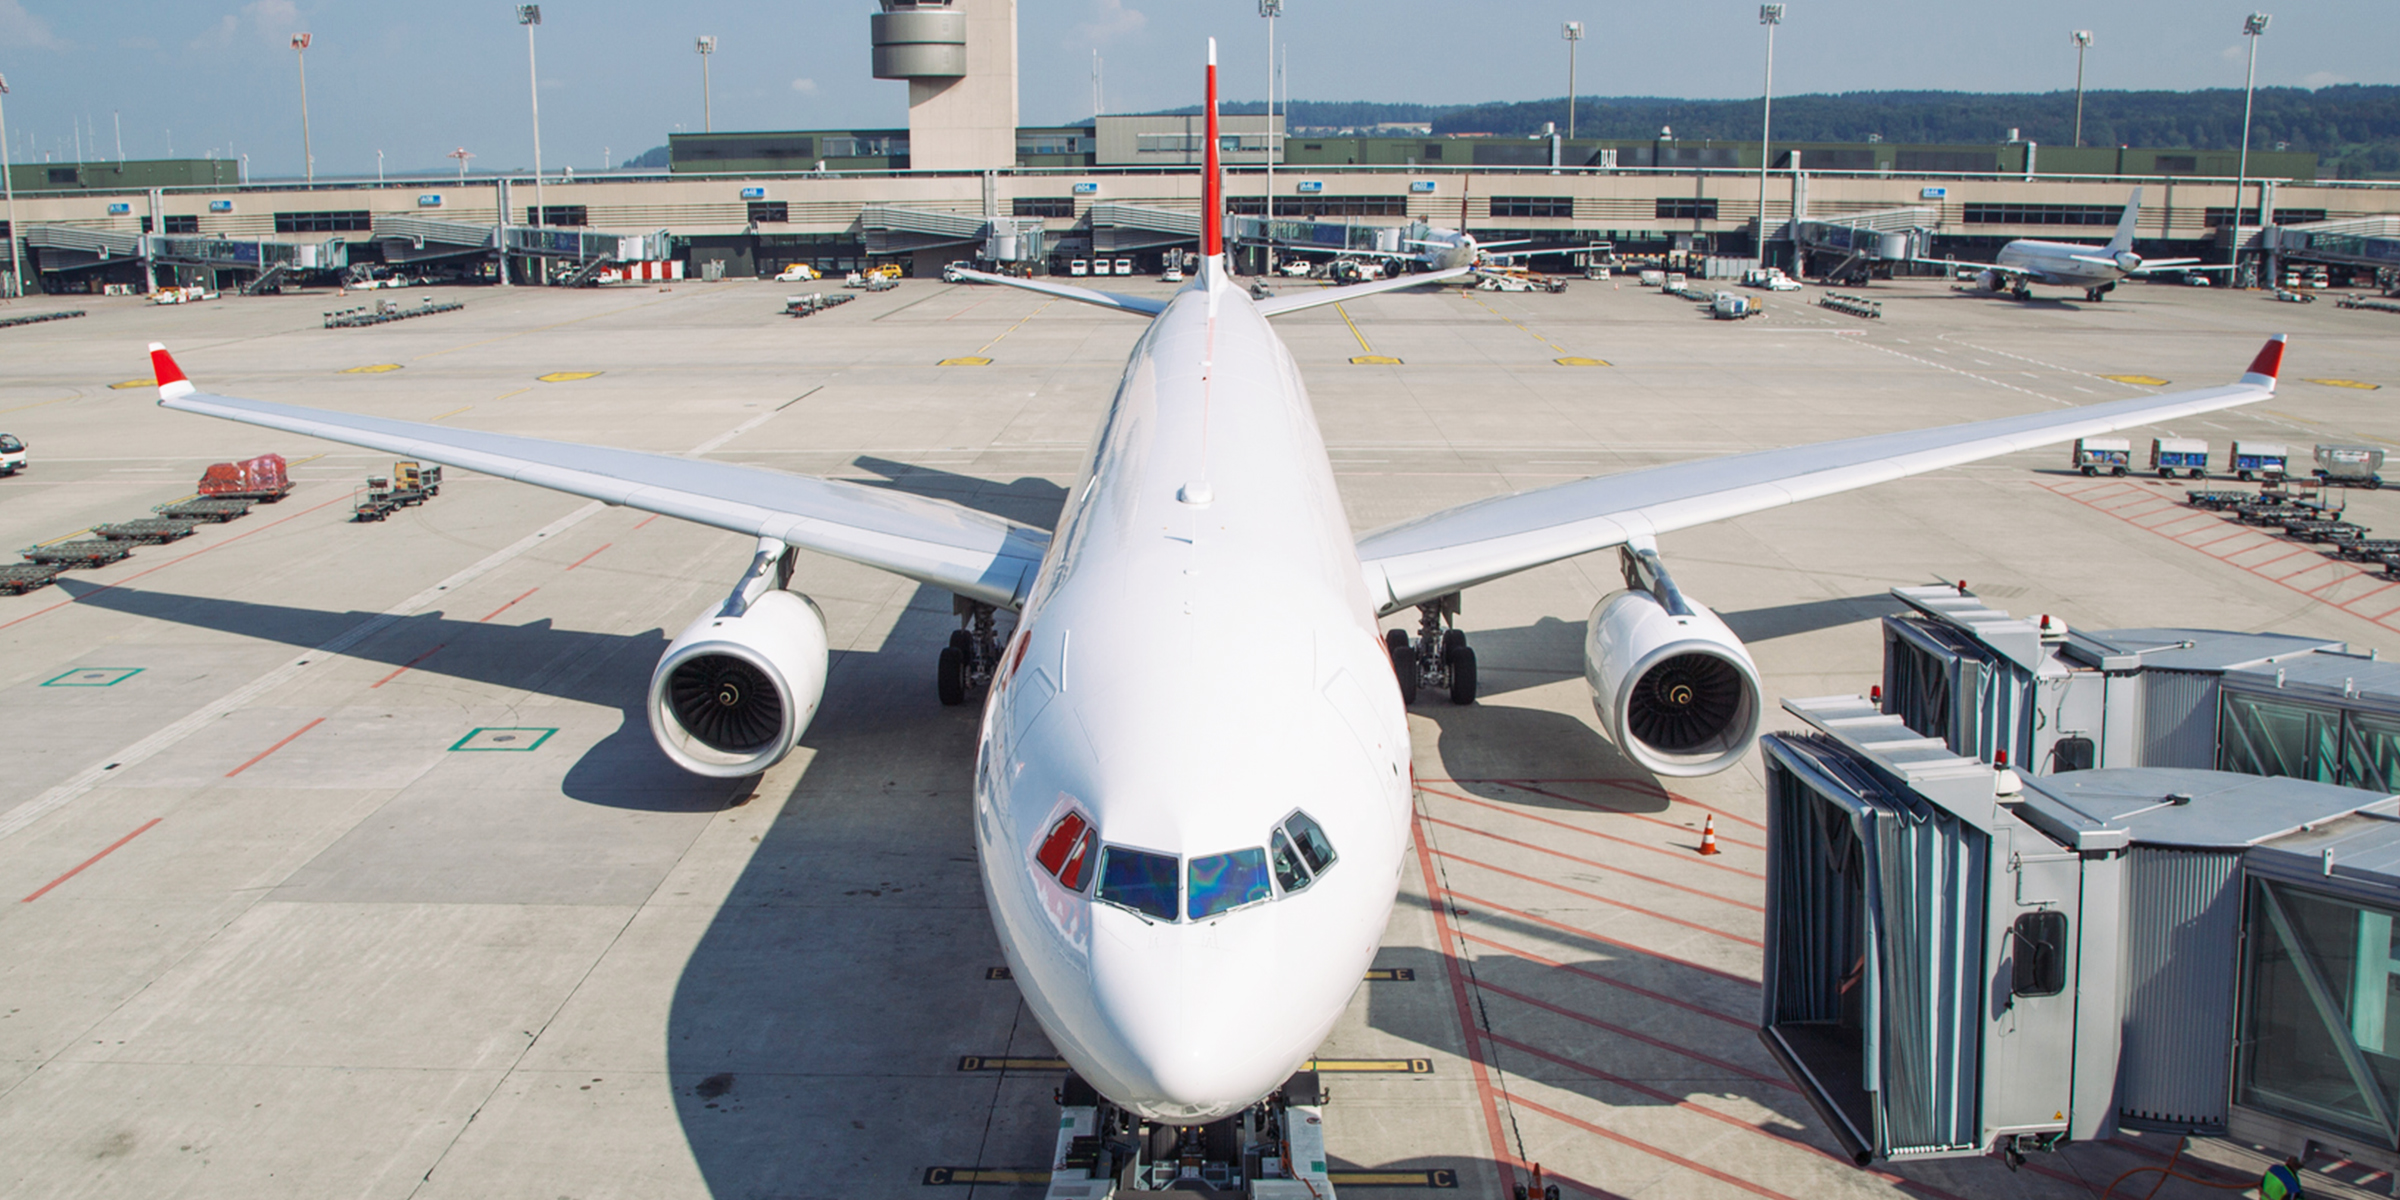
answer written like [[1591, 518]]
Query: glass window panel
[[1309, 837], [1222, 882], [1145, 883], [1053, 853], [2266, 736], [2371, 752], [1289, 874], [1079, 864], [2291, 1061]]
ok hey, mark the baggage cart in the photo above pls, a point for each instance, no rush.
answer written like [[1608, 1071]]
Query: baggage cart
[[87, 552], [2215, 501], [375, 502], [2169, 455], [16, 579], [149, 531], [2369, 549], [2349, 466], [204, 509], [263, 479], [2260, 460], [2094, 455]]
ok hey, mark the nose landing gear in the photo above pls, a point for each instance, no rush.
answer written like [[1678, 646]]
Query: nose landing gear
[[1274, 1150], [1438, 658], [967, 663]]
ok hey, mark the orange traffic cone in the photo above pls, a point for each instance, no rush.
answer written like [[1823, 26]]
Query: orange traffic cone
[[1708, 836]]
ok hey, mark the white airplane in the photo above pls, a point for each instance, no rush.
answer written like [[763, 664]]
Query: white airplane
[[2096, 269], [1189, 866], [1430, 248]]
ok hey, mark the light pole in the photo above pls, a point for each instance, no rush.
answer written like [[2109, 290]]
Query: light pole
[[1769, 15], [462, 154], [1270, 9], [2083, 42], [308, 155], [2253, 26], [1572, 31], [707, 46], [530, 15], [16, 278], [379, 166]]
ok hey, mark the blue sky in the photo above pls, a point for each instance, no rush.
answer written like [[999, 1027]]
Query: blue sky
[[418, 79]]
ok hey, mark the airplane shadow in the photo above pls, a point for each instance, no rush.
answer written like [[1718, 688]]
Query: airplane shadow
[[1030, 499]]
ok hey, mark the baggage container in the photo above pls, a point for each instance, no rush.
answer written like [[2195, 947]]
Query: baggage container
[[2260, 460], [263, 479], [2169, 455], [2094, 455], [1652, 279], [2350, 466]]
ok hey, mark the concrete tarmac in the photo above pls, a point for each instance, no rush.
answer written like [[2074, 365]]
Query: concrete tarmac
[[337, 859]]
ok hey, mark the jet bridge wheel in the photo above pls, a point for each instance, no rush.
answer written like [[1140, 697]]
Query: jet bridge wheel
[[950, 677]]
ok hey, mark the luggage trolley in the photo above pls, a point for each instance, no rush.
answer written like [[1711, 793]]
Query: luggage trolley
[[2169, 455], [2095, 455]]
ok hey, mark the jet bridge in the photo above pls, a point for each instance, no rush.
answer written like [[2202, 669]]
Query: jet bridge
[[2371, 243], [66, 249], [2176, 916], [891, 229], [1860, 246]]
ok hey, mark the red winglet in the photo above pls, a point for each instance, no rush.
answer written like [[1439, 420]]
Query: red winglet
[[1212, 183], [162, 365], [2270, 357]]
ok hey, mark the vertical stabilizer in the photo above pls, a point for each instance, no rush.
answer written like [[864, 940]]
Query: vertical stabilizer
[[2124, 239], [1212, 181]]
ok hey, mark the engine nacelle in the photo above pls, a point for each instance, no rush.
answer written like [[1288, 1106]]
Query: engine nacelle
[[1676, 691], [1988, 280], [737, 688]]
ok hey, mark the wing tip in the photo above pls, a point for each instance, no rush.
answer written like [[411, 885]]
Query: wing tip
[[2269, 363], [169, 376]]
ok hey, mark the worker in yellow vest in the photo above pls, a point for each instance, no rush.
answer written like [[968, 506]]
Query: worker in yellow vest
[[2281, 1181]]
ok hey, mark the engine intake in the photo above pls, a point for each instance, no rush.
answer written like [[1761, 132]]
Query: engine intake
[[1674, 688], [737, 688]]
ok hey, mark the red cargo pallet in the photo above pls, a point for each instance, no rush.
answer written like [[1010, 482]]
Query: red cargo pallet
[[263, 479]]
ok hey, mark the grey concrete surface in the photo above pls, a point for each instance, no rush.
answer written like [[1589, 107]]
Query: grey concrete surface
[[346, 945]]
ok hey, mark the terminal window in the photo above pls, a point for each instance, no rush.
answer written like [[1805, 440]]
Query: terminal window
[[554, 214], [1433, 152], [1684, 208], [770, 212], [185, 223], [1320, 206], [66, 175], [1533, 206], [1042, 206], [324, 222], [2043, 214], [2176, 164], [2283, 216]]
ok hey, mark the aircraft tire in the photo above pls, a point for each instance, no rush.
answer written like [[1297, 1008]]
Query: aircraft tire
[[962, 641], [1404, 663], [1461, 660], [950, 677]]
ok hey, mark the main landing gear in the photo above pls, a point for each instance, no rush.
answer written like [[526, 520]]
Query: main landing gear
[[973, 654], [2098, 294], [1274, 1150], [1439, 657]]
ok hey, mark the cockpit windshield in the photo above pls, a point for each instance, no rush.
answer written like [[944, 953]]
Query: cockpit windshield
[[1309, 838], [1143, 882], [1223, 882]]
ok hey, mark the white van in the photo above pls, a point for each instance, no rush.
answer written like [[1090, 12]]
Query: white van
[[1078, 267], [1124, 266]]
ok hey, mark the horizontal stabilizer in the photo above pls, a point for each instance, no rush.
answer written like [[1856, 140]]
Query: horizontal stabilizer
[[1276, 306], [1082, 295]]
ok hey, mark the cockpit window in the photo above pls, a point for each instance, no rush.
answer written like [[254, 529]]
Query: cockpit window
[[1223, 882], [1289, 874], [1145, 883], [1309, 838], [1067, 852]]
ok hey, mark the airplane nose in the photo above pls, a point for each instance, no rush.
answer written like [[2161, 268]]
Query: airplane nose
[[1201, 1036]]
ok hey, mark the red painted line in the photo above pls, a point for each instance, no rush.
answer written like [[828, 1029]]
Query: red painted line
[[2336, 579], [589, 557], [1596, 864], [1501, 1158], [647, 520], [2253, 567], [1645, 1039], [405, 666], [2364, 595], [1602, 939], [1676, 826], [2213, 541], [1597, 898], [1645, 787], [1677, 855], [1748, 1023], [112, 849], [505, 607], [295, 734], [2206, 521], [1647, 1148], [171, 562]]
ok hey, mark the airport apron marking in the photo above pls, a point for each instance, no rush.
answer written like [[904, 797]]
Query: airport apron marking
[[505, 738], [371, 369], [1369, 358], [2138, 380], [92, 677], [566, 376], [1021, 1177], [2348, 383]]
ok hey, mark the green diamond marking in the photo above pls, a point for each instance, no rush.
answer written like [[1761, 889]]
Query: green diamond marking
[[518, 738], [93, 677]]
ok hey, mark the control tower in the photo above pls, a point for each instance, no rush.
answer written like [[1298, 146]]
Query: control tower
[[960, 60]]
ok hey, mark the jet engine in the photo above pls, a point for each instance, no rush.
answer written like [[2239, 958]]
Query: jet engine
[[1675, 689], [737, 688], [1988, 280]]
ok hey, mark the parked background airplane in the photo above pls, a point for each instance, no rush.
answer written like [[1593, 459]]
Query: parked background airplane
[[2096, 269], [1189, 868]]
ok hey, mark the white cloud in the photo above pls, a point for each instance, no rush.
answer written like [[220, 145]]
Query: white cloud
[[1111, 19], [2233, 53], [2318, 79], [270, 22], [806, 87], [21, 28]]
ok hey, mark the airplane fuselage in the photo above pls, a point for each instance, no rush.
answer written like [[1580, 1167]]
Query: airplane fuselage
[[1197, 663], [2060, 264]]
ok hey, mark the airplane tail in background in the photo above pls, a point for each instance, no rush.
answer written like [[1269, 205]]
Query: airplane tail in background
[[2123, 241], [1212, 182]]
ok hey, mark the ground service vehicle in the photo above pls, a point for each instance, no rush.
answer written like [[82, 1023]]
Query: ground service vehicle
[[2095, 455], [2260, 460], [12, 454], [2350, 466], [2169, 455]]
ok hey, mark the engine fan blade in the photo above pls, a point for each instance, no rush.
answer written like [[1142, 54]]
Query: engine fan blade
[[1684, 701], [726, 702]]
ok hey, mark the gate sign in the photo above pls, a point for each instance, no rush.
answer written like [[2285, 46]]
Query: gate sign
[[220, 206], [1087, 189], [429, 200], [1933, 193], [1310, 187], [1420, 186], [754, 193], [119, 209]]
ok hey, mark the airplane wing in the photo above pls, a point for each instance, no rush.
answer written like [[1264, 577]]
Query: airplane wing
[[932, 541], [1276, 306], [1143, 305], [2180, 264], [1995, 268], [1417, 560]]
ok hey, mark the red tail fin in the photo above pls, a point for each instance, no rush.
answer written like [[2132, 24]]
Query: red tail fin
[[2270, 359], [1212, 183]]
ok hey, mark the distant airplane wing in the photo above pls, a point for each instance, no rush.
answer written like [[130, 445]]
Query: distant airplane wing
[[989, 558], [1418, 560], [1276, 306], [1066, 291], [2180, 264], [1995, 268]]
